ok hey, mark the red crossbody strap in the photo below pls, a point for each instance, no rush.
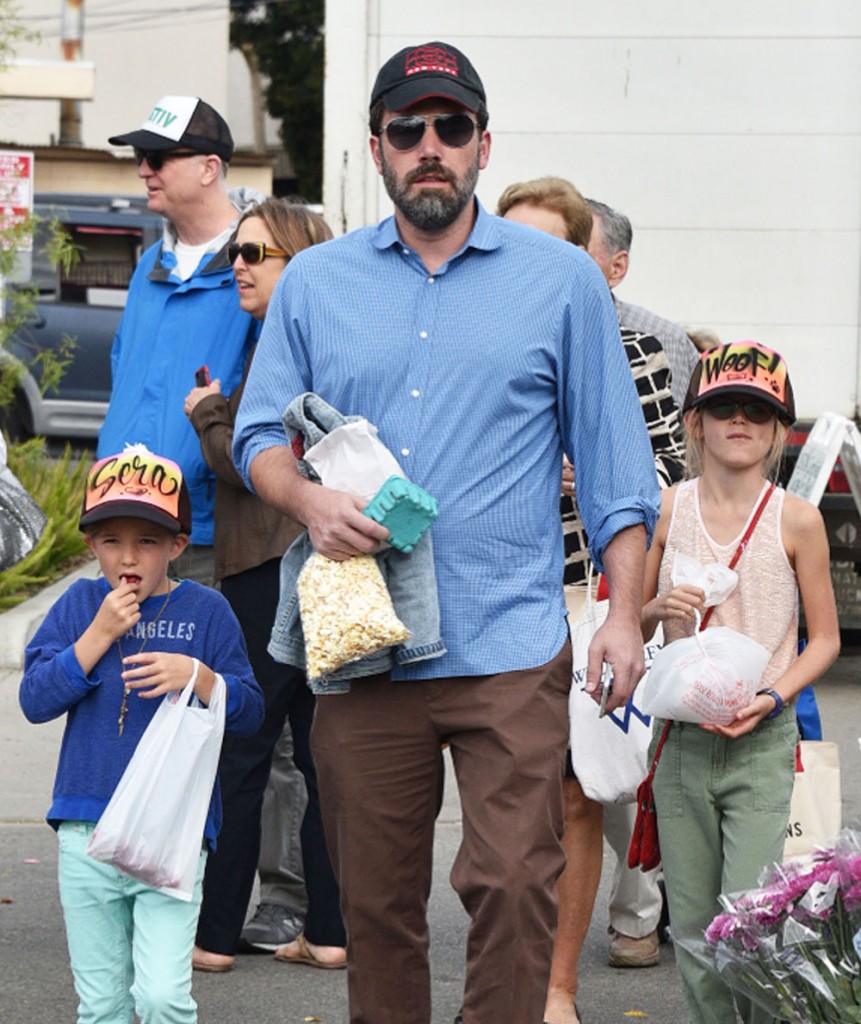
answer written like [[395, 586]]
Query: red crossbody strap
[[739, 551], [664, 734], [734, 561]]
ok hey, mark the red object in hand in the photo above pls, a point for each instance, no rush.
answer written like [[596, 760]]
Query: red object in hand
[[201, 376], [603, 589], [298, 446]]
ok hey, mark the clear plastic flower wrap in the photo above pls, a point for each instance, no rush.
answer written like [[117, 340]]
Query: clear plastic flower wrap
[[346, 611], [794, 944]]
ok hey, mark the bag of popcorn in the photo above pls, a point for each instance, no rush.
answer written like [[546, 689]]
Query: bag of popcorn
[[346, 611]]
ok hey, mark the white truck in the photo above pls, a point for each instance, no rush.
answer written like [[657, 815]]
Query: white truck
[[728, 133]]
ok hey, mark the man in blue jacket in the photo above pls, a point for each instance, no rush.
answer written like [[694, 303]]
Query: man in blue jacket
[[183, 309]]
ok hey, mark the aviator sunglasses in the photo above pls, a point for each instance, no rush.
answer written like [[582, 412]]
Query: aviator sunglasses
[[726, 408], [156, 157], [453, 130], [253, 252]]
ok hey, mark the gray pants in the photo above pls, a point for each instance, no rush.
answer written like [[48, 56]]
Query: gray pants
[[280, 866]]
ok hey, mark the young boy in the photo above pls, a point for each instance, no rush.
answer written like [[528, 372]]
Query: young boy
[[108, 650]]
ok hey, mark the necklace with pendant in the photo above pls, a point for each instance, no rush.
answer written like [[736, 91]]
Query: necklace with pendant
[[121, 721]]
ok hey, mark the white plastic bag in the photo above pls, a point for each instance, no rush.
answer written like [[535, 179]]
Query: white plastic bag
[[716, 581], [706, 678], [608, 754], [152, 828], [352, 458]]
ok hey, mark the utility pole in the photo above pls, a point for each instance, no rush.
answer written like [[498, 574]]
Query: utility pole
[[71, 44]]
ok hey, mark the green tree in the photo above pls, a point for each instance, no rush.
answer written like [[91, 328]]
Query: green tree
[[57, 485], [283, 39], [18, 302]]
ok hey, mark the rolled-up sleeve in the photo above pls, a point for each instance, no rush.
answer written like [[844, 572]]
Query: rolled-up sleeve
[[604, 432]]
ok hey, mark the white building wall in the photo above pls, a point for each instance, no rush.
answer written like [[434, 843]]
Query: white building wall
[[729, 133]]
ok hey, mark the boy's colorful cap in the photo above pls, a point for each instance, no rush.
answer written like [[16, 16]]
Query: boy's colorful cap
[[743, 368], [137, 484]]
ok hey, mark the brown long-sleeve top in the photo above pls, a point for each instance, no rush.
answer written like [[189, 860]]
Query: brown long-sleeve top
[[248, 532]]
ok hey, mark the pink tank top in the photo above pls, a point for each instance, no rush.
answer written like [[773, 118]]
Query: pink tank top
[[764, 604]]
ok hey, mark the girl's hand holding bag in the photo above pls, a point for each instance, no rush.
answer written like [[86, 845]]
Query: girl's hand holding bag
[[152, 828]]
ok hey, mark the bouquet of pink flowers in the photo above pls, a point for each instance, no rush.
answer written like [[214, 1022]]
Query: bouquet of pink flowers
[[794, 945]]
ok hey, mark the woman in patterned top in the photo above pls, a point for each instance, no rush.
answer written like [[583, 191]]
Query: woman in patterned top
[[555, 206]]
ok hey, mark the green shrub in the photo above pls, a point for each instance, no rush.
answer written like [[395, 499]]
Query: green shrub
[[57, 485]]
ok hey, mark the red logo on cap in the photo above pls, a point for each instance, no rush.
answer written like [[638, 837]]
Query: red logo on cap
[[430, 58]]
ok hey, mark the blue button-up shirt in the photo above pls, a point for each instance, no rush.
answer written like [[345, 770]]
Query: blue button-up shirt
[[478, 377]]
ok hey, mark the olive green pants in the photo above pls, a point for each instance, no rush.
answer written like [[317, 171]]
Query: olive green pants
[[723, 809]]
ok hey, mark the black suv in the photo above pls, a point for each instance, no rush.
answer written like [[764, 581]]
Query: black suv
[[85, 304]]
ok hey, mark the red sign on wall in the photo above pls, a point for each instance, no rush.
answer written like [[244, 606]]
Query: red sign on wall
[[16, 190]]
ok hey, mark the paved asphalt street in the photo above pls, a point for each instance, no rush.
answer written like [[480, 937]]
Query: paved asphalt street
[[35, 981]]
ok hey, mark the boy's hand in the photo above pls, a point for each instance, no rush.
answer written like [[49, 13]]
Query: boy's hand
[[118, 613], [156, 673]]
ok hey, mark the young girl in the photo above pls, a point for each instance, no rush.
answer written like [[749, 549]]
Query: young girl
[[723, 792]]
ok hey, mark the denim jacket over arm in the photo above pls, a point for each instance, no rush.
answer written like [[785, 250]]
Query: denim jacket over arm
[[410, 578]]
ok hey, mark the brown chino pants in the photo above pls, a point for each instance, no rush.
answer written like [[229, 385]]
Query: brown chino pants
[[380, 771]]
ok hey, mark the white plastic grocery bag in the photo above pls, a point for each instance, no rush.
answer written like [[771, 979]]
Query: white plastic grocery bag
[[706, 678], [152, 828]]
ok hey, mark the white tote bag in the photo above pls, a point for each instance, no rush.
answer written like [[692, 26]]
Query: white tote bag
[[816, 812], [152, 828], [608, 754]]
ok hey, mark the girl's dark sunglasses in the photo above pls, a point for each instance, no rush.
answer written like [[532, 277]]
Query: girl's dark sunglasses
[[726, 408], [453, 130], [156, 157], [253, 252]]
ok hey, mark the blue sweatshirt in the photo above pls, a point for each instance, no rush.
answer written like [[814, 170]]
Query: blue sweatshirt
[[196, 621]]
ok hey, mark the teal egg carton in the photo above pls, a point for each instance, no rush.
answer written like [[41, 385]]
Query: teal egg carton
[[405, 509]]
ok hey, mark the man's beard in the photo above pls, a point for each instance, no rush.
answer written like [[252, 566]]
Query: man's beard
[[430, 209]]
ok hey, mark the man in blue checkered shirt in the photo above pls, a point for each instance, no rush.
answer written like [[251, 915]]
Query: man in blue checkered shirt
[[482, 351]]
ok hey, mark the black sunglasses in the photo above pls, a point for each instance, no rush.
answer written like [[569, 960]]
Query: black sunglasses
[[253, 252], [453, 130], [156, 157], [726, 408]]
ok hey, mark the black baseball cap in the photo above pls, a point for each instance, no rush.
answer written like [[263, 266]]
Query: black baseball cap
[[420, 72], [181, 122]]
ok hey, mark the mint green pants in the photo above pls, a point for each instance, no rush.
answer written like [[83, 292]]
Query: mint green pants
[[130, 945], [723, 809]]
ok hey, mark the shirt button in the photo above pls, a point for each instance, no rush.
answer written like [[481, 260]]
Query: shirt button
[[406, 252], [405, 451], [430, 280], [415, 392], [423, 334]]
